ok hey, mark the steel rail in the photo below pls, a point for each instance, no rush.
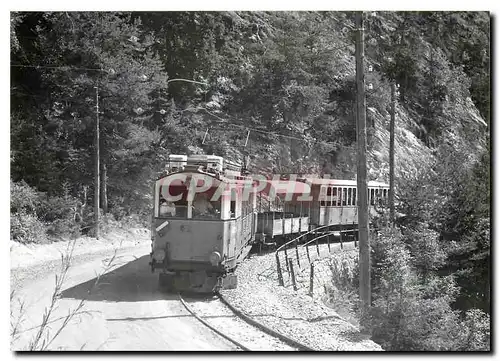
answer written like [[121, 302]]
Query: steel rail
[[264, 328], [240, 314], [190, 310]]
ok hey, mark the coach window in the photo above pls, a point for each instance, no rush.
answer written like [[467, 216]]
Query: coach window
[[334, 196], [380, 194], [322, 196], [339, 197], [372, 196], [344, 196], [354, 197], [349, 196]]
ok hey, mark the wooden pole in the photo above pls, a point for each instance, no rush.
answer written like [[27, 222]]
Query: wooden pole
[[286, 260], [364, 241], [280, 274], [97, 177], [293, 275], [104, 192], [391, 153], [311, 280], [297, 254]]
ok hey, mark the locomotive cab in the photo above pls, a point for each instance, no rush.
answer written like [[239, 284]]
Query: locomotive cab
[[203, 226]]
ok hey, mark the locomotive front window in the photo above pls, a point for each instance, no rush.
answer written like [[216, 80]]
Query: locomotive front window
[[233, 209], [173, 209], [204, 208], [167, 208]]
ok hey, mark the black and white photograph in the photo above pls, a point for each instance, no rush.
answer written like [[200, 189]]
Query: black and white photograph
[[264, 180]]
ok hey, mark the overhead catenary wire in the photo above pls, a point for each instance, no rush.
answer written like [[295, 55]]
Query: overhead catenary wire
[[67, 67]]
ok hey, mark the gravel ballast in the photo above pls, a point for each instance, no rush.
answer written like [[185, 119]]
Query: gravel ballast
[[296, 314]]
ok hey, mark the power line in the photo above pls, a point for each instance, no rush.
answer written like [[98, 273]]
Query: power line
[[67, 67], [225, 121]]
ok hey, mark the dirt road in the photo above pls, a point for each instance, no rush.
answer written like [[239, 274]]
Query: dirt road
[[125, 311]]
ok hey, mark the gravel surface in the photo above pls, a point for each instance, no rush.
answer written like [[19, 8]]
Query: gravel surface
[[222, 318], [295, 314], [35, 261]]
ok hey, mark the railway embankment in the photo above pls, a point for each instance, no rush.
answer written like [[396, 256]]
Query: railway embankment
[[309, 319]]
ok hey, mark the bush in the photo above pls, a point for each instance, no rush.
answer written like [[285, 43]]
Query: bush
[[414, 313], [60, 215], [53, 208], [475, 335], [342, 292], [35, 214], [23, 198], [27, 228]]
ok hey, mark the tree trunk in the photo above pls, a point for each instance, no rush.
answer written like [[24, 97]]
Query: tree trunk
[[104, 192], [84, 196]]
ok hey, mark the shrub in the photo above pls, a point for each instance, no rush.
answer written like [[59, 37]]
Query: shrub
[[35, 214], [63, 228], [53, 208], [23, 198], [475, 335], [415, 314], [27, 228], [60, 214], [342, 291]]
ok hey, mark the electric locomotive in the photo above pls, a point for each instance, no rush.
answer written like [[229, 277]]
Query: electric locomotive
[[203, 225], [208, 213]]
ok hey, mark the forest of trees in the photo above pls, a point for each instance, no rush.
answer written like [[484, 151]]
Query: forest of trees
[[288, 77]]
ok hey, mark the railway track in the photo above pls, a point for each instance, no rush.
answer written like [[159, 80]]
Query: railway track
[[241, 330]]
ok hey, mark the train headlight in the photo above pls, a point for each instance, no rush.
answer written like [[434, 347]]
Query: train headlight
[[159, 255], [215, 258]]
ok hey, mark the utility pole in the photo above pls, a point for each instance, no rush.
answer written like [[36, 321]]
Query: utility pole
[[96, 184], [363, 231], [391, 153]]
